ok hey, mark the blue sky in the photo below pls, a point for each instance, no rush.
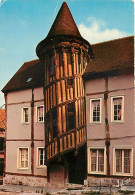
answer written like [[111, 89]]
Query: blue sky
[[24, 23]]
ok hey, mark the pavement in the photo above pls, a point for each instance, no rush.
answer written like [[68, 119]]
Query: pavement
[[72, 190]]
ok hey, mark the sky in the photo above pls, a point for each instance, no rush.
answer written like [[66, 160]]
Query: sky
[[24, 23]]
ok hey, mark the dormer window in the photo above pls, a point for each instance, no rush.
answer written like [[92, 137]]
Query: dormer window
[[29, 80]]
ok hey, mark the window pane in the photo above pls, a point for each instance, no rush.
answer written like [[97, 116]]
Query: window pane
[[117, 103], [93, 160], [95, 110], [40, 114], [41, 156], [101, 160], [26, 115], [23, 157], [98, 119], [119, 161], [126, 161]]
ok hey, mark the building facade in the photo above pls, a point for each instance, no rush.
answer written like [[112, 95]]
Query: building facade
[[109, 89], [70, 115], [25, 154]]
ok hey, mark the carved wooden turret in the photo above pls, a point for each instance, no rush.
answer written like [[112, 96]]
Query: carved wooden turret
[[64, 55]]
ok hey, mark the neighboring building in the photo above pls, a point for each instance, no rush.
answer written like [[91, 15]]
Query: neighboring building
[[2, 138], [109, 88], [86, 105]]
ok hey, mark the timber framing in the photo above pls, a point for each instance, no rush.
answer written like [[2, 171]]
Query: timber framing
[[64, 94]]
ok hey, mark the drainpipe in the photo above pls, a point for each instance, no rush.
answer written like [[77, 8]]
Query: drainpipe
[[32, 133], [107, 133]]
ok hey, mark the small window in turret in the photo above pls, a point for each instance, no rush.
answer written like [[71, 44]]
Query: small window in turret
[[70, 82], [54, 123], [70, 116], [52, 67]]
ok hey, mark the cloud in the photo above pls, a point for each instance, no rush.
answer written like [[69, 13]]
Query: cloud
[[97, 31], [1, 2]]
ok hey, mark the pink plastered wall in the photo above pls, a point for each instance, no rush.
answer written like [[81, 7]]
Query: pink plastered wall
[[121, 134], [19, 133]]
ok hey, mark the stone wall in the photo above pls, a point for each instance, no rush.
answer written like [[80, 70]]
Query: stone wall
[[25, 180], [110, 182]]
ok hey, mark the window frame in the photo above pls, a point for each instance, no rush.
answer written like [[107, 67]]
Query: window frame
[[89, 161], [131, 161], [38, 158], [19, 160], [23, 117], [91, 111], [112, 109], [37, 114]]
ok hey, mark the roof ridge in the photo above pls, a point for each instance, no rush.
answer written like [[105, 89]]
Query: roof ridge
[[32, 60], [113, 40]]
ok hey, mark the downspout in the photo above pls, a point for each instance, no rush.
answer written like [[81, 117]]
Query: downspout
[[107, 133], [32, 133]]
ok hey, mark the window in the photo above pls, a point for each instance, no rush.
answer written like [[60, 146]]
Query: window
[[97, 160], [51, 126], [70, 116], [41, 157], [40, 113], [25, 115], [54, 123], [95, 111], [23, 158], [70, 82], [117, 109], [29, 80], [123, 162], [52, 67]]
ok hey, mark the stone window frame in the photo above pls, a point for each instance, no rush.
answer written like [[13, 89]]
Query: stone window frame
[[112, 109], [114, 161], [23, 120], [19, 158], [37, 114], [91, 111], [89, 161], [38, 158]]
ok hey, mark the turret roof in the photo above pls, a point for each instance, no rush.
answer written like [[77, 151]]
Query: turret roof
[[64, 23]]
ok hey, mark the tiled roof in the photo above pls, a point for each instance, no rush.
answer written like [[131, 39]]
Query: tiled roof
[[2, 119], [29, 71], [112, 56], [109, 56]]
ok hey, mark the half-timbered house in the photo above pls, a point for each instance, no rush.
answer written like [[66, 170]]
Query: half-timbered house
[[70, 114]]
